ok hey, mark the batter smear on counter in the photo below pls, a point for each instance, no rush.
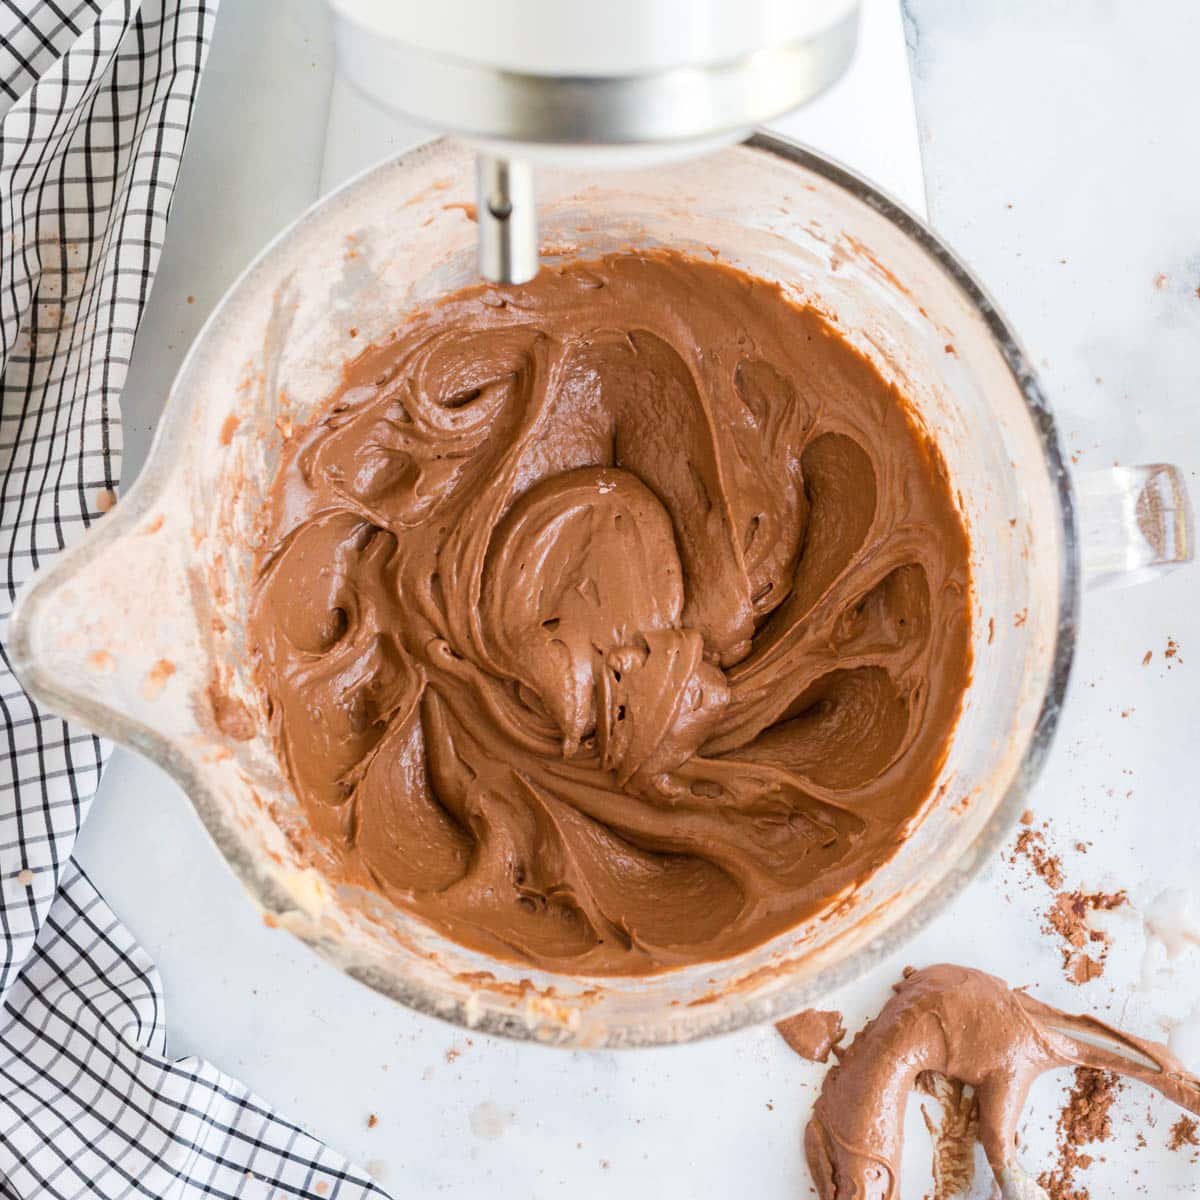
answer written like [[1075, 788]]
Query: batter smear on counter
[[970, 1028], [612, 622]]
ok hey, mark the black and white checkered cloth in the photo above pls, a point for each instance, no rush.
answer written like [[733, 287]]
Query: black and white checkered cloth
[[95, 101]]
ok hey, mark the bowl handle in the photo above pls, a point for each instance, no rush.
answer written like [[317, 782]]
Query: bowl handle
[[1135, 523]]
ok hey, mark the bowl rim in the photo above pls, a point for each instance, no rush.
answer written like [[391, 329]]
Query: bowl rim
[[705, 1021]]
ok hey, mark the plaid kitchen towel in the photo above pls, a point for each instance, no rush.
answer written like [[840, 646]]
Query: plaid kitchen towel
[[95, 101]]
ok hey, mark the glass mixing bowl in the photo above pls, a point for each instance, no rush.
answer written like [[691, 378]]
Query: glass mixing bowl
[[138, 630]]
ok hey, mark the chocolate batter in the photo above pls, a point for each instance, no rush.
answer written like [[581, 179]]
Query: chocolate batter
[[613, 622], [972, 1028], [813, 1033]]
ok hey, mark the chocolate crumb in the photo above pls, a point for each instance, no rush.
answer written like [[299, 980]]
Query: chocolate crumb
[[372, 1121], [1147, 657], [1068, 918], [1185, 1132], [1031, 844], [1083, 969], [452, 1054], [1084, 949], [1084, 1120]]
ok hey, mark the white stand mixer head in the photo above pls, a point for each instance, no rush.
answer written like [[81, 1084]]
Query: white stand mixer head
[[586, 84]]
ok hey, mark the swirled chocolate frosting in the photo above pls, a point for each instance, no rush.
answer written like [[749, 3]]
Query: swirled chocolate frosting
[[612, 622]]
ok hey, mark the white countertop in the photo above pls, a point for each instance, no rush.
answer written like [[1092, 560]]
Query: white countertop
[[1060, 158]]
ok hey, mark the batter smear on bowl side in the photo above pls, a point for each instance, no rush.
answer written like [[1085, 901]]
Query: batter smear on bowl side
[[613, 622]]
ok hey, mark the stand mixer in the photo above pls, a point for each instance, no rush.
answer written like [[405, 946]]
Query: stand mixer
[[584, 85]]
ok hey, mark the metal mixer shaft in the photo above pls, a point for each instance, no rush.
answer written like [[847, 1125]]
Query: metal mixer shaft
[[508, 241]]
